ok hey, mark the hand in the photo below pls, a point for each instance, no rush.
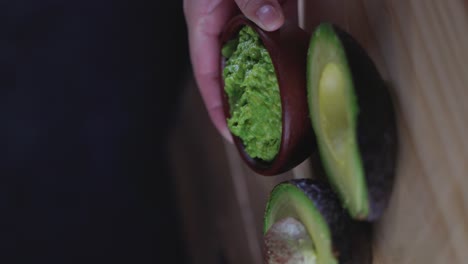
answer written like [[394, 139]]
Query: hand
[[205, 20]]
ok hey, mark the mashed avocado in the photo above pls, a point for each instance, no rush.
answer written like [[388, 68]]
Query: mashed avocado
[[254, 98]]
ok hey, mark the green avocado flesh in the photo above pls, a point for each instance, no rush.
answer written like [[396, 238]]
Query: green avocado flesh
[[288, 201], [252, 88], [334, 110]]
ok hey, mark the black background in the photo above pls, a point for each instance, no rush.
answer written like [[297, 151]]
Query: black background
[[88, 90]]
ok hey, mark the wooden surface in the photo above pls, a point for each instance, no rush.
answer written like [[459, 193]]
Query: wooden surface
[[421, 48], [221, 199]]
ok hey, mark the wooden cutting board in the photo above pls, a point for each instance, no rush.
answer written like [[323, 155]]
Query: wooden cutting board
[[421, 47]]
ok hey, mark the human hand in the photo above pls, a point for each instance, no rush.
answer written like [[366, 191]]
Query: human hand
[[205, 20]]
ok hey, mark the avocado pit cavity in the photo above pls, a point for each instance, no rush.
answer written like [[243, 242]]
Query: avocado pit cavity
[[287, 242], [334, 117]]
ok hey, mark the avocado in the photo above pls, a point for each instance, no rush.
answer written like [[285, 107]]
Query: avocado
[[287, 241], [305, 223], [254, 98], [354, 122]]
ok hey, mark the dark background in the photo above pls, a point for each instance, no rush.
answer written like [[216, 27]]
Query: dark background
[[88, 90]]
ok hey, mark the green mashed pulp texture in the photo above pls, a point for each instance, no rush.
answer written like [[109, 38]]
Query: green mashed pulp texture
[[254, 98]]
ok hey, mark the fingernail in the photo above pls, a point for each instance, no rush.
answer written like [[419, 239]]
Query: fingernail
[[269, 17]]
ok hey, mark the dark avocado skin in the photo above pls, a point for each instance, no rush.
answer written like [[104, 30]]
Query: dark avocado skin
[[376, 125], [350, 239]]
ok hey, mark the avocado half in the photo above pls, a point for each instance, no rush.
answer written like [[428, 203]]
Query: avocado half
[[354, 121], [305, 223]]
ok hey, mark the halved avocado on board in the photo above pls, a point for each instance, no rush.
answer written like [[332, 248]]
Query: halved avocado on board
[[354, 121], [305, 223]]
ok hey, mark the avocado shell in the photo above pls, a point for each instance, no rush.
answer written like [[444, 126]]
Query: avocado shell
[[337, 219], [287, 47], [351, 240], [376, 125]]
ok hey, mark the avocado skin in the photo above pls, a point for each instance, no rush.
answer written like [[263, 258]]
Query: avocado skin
[[350, 239], [376, 125]]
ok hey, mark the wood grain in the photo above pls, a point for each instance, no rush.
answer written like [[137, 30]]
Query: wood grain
[[420, 47]]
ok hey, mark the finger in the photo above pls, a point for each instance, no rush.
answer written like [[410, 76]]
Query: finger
[[204, 26], [267, 14]]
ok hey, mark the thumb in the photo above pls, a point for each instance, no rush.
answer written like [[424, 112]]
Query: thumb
[[267, 14]]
